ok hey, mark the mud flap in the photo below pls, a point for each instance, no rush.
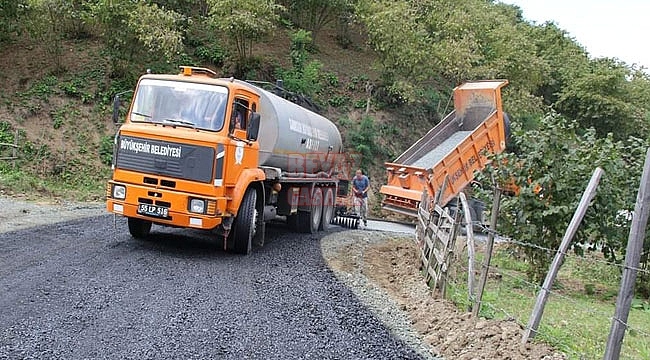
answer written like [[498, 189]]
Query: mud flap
[[224, 230]]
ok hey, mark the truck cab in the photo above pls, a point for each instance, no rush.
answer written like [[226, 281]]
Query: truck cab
[[172, 151]]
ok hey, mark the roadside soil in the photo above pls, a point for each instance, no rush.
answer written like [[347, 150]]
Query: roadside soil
[[390, 263], [17, 213]]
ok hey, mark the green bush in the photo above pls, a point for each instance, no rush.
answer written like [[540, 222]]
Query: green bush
[[6, 133], [214, 54], [363, 139], [304, 77], [106, 149], [331, 79], [58, 117], [338, 101], [360, 104]]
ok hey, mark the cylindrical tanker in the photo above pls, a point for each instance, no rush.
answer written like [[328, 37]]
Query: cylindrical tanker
[[295, 139]]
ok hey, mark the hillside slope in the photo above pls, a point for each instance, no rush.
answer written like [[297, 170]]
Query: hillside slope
[[65, 131]]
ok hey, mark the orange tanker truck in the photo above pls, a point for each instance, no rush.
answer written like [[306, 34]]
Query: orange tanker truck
[[451, 150], [202, 152]]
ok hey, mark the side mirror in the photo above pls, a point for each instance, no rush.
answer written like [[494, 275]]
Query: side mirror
[[116, 108], [253, 126]]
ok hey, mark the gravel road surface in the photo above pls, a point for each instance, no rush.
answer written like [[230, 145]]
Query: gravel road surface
[[84, 289]]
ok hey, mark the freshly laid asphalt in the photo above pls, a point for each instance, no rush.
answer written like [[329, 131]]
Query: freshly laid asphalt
[[84, 289]]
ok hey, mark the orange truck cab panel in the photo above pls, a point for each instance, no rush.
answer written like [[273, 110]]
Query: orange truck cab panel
[[451, 151], [172, 152]]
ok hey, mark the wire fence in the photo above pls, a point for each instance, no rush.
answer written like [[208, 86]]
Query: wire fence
[[507, 240], [586, 318]]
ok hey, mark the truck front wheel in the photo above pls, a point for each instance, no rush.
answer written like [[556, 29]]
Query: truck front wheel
[[244, 226], [139, 228]]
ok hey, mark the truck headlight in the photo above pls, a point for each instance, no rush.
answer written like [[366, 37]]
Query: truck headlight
[[119, 192], [197, 206]]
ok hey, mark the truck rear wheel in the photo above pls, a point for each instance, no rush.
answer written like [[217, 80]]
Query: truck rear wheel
[[139, 228], [244, 226], [309, 221], [328, 209], [316, 209]]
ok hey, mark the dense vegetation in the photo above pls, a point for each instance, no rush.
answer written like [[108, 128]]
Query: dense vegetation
[[570, 112]]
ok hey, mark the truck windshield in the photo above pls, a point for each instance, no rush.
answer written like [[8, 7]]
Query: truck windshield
[[180, 103]]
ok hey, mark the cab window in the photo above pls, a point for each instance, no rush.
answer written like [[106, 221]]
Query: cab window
[[239, 114]]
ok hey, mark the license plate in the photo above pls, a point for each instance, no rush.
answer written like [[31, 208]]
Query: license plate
[[153, 210]]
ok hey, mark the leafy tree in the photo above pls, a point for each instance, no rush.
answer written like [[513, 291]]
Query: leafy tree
[[565, 59], [184, 7], [135, 30], [157, 29], [474, 39], [604, 98], [244, 22], [604, 94], [52, 21], [363, 139], [10, 14], [313, 15], [402, 43], [550, 190], [446, 42], [305, 76]]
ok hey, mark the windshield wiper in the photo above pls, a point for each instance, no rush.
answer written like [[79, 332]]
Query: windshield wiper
[[147, 116], [180, 122]]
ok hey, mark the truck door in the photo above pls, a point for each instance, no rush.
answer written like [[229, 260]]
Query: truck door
[[239, 154]]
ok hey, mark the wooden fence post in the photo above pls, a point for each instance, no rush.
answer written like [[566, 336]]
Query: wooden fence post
[[542, 296], [421, 231], [470, 249], [632, 257], [488, 250]]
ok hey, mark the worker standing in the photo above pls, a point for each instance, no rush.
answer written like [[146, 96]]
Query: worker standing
[[360, 186]]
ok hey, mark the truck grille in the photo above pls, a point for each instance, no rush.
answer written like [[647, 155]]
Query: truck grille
[[182, 161]]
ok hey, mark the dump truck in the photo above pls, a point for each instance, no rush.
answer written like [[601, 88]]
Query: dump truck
[[223, 155], [453, 150]]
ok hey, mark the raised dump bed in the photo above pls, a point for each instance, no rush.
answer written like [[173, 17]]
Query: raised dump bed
[[453, 149]]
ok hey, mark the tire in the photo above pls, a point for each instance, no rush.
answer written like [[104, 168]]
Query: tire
[[244, 226], [139, 228], [316, 209], [328, 209], [309, 221]]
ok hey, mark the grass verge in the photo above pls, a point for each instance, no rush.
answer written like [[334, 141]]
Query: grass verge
[[578, 314]]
